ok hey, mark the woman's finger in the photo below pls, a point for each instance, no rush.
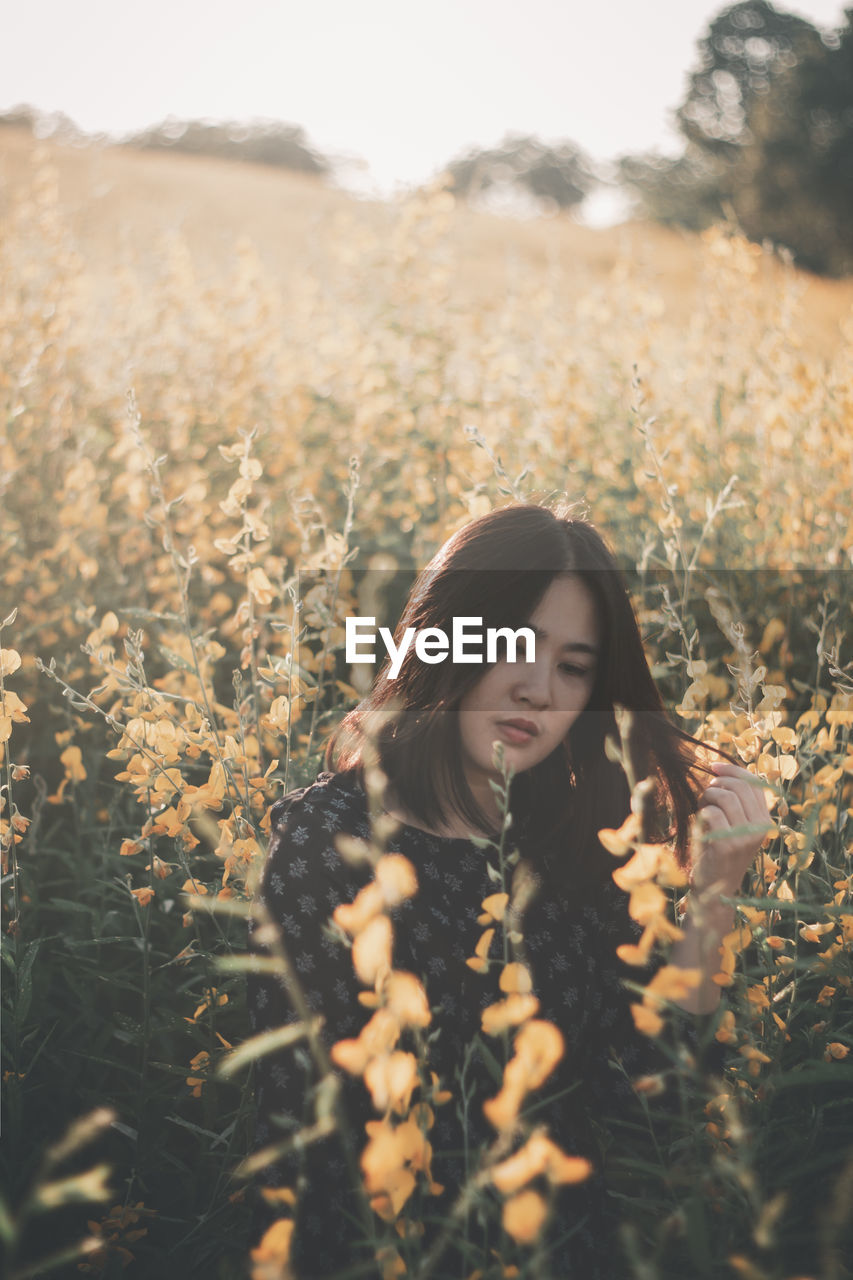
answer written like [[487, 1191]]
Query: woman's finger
[[726, 799], [717, 826], [725, 766], [714, 817], [749, 788]]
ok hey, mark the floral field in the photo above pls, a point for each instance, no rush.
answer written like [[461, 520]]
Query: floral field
[[199, 452]]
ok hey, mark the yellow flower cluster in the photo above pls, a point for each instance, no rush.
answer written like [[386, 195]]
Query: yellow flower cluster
[[537, 1048], [398, 1151]]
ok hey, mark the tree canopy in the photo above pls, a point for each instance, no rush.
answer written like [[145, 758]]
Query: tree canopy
[[768, 127], [256, 142], [558, 175]]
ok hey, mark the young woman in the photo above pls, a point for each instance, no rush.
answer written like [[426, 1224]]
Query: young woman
[[522, 565]]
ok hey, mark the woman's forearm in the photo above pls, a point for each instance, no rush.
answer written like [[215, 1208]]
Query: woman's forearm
[[706, 922]]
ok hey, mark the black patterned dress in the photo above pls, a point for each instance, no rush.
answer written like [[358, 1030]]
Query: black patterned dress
[[570, 949]]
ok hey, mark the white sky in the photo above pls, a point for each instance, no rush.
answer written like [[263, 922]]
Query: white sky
[[403, 85]]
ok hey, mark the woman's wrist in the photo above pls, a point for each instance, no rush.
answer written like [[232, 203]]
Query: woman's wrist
[[707, 907]]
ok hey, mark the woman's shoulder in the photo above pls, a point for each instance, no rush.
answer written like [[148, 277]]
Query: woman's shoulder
[[303, 825], [331, 803]]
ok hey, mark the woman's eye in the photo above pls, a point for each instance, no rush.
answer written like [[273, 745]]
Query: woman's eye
[[569, 669]]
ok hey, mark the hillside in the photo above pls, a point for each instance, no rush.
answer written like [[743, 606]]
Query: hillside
[[120, 203]]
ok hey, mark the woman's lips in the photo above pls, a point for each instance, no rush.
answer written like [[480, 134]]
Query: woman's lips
[[515, 734]]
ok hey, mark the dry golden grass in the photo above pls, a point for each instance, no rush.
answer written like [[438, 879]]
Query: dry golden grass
[[118, 198]]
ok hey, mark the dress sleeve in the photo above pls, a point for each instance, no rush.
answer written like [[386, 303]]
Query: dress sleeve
[[304, 879]]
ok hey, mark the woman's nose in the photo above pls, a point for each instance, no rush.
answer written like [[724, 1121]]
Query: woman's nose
[[534, 686]]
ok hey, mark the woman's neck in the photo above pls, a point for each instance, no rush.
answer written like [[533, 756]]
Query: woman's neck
[[455, 828]]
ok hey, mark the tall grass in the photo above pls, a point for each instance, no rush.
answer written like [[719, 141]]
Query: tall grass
[[176, 569]]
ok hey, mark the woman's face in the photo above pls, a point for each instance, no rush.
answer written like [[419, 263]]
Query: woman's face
[[546, 696]]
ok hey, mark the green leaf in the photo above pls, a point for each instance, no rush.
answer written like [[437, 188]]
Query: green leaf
[[215, 1138], [78, 1188], [217, 906], [175, 660], [127, 1029], [820, 1073], [492, 1065], [257, 1046], [25, 983], [7, 1225], [247, 964]]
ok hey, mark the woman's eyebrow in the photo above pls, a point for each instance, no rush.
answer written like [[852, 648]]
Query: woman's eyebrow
[[574, 646]]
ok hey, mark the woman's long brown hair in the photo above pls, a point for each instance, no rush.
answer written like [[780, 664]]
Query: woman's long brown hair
[[498, 567]]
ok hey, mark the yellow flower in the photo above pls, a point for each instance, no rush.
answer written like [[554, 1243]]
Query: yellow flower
[[538, 1156], [72, 759], [371, 950], [271, 1257], [391, 1079], [652, 1085], [524, 1216], [479, 962], [387, 1179], [357, 915], [406, 999], [10, 661], [538, 1048], [390, 1263], [379, 1035], [671, 982], [199, 1062], [515, 978], [396, 877], [646, 1020], [508, 1013], [754, 1058], [620, 839], [494, 908], [725, 1032], [260, 586], [12, 711]]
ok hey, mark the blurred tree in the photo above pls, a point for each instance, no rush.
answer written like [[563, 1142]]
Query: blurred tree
[[43, 124], [768, 119], [257, 142], [559, 176], [794, 182], [680, 190], [747, 47]]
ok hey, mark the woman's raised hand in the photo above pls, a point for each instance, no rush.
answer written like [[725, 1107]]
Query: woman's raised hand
[[732, 801]]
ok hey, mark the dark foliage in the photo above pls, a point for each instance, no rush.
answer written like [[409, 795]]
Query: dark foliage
[[681, 190], [746, 49], [43, 124], [768, 119], [259, 142], [559, 175]]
